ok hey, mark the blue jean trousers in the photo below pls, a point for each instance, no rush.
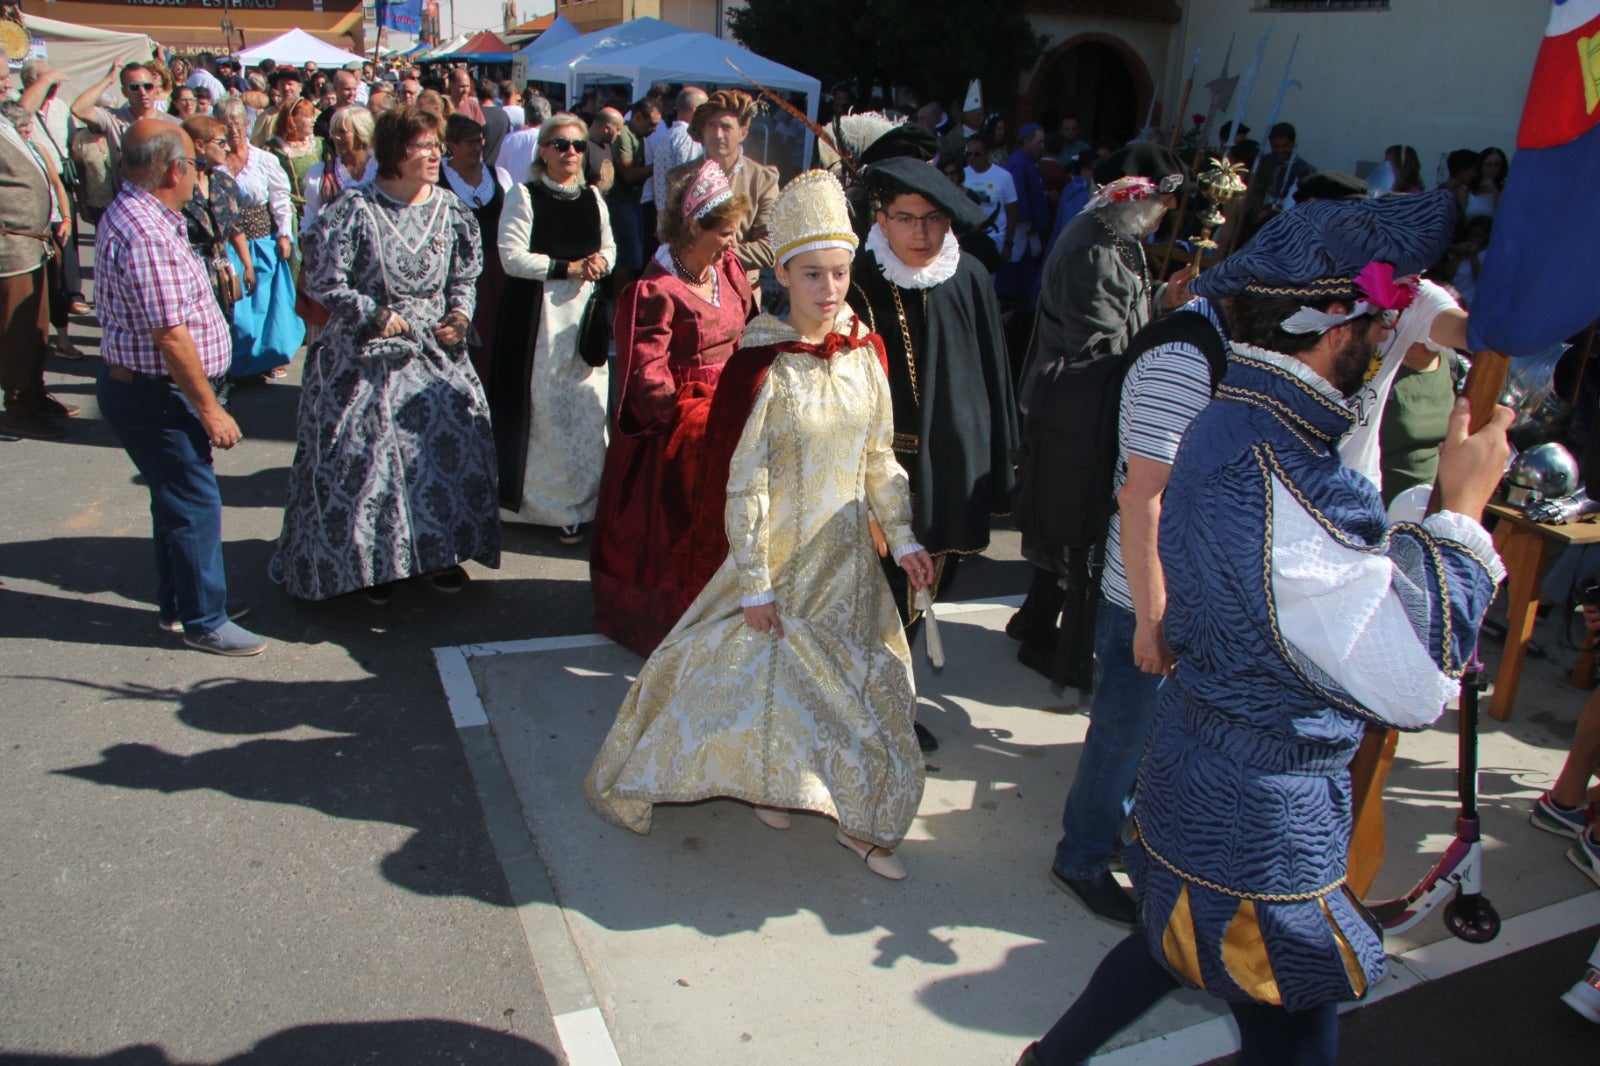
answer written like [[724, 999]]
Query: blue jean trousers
[[162, 435], [1123, 706]]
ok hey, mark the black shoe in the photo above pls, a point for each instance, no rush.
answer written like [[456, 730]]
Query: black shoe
[[1040, 660], [1017, 627], [21, 422], [1102, 895], [379, 594], [925, 740], [39, 402], [451, 580]]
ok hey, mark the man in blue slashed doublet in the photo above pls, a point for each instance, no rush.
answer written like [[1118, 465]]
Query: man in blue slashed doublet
[[1297, 613]]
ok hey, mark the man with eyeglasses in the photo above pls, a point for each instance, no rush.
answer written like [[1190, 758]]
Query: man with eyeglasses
[[996, 193], [949, 380], [138, 85], [165, 339]]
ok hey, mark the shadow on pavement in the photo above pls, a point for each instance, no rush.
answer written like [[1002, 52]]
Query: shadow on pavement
[[414, 1042]]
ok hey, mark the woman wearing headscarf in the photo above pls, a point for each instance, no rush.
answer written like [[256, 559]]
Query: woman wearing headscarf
[[676, 327]]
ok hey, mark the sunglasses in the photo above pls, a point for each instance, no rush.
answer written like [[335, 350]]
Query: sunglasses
[[140, 87], [562, 144]]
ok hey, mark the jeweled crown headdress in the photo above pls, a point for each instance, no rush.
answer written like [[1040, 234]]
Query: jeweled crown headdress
[[811, 213]]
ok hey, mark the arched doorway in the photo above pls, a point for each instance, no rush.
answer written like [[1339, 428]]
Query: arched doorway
[[1098, 78]]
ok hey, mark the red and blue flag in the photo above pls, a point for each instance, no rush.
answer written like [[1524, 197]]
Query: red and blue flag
[[1540, 283]]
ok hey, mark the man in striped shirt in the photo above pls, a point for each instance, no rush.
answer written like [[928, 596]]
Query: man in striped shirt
[[1165, 389], [164, 340]]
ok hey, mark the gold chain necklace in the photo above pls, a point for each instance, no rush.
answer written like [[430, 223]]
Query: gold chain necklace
[[905, 335]]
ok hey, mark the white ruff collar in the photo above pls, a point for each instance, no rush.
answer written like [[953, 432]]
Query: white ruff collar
[[1291, 365], [942, 269]]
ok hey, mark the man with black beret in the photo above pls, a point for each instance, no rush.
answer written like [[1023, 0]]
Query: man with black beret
[[949, 379]]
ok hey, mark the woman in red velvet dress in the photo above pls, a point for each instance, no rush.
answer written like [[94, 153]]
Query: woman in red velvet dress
[[675, 327]]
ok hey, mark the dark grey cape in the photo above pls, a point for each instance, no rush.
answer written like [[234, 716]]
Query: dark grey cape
[[956, 443]]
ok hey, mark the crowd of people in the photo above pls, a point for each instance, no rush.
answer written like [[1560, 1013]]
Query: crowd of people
[[780, 413]]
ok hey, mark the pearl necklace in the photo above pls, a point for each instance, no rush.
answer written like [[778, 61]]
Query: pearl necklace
[[683, 272]]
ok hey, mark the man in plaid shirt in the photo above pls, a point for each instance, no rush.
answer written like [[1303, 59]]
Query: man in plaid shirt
[[165, 338]]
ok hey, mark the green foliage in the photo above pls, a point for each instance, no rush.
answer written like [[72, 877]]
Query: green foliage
[[931, 46]]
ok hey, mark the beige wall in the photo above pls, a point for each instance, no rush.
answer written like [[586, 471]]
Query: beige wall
[[588, 15], [1436, 74]]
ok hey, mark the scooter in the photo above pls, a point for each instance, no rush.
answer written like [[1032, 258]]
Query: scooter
[[1456, 880]]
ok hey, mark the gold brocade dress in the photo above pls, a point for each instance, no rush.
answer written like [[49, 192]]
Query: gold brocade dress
[[821, 719]]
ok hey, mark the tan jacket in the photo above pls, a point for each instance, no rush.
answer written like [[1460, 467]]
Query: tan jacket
[[24, 205]]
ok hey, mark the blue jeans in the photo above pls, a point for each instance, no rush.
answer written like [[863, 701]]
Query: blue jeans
[[162, 435], [1124, 705]]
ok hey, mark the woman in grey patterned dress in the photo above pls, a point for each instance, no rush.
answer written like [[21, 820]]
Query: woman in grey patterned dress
[[394, 469]]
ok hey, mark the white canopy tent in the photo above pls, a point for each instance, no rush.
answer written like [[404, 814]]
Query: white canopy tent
[[446, 48], [297, 48], [699, 58], [556, 63], [82, 53]]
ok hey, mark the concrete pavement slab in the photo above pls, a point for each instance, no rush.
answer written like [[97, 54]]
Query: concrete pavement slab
[[716, 940]]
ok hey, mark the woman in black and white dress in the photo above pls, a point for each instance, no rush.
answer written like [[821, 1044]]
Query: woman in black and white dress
[[549, 404]]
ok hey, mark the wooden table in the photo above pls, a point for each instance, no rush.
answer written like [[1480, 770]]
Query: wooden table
[[1524, 547]]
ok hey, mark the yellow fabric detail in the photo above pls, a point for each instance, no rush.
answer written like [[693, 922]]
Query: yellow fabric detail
[[1244, 954], [1352, 965], [1178, 942]]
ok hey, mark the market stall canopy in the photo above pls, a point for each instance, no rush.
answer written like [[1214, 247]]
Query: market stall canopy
[[82, 53], [484, 47], [559, 31], [297, 48], [556, 63], [445, 49], [694, 57], [699, 58]]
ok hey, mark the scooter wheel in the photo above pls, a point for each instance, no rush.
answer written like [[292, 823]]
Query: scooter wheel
[[1476, 922]]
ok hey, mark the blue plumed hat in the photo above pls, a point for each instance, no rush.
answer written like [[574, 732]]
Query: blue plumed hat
[[1317, 249]]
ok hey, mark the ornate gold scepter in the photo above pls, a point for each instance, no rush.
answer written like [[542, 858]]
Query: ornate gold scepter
[[1219, 183]]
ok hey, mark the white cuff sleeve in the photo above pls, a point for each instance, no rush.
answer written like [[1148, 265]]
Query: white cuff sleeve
[[1471, 536], [906, 549], [757, 600]]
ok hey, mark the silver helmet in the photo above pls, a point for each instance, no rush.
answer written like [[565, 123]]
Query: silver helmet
[[1546, 472]]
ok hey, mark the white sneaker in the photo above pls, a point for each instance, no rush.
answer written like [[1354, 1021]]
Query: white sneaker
[[1584, 997]]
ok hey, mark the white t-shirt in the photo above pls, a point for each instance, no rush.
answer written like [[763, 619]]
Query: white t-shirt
[[1359, 449], [205, 79], [993, 188], [517, 153]]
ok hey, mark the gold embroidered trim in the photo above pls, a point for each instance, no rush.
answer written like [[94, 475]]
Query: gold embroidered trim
[[1318, 447], [1282, 646]]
